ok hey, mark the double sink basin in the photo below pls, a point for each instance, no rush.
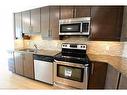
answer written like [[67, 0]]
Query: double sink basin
[[28, 50]]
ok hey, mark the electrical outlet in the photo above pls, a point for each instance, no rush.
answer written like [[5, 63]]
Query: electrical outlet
[[107, 48]]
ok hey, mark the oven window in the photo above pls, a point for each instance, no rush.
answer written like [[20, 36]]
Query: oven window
[[70, 28], [68, 72]]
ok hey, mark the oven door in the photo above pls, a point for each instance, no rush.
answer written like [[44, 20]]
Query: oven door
[[71, 74]]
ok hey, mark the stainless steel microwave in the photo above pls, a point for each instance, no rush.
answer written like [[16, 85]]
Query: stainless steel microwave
[[74, 26]]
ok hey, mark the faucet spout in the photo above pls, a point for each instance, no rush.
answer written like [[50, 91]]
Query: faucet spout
[[36, 47]]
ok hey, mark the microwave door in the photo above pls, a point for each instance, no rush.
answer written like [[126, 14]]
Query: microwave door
[[70, 28]]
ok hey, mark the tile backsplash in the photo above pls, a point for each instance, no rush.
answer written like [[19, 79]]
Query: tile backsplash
[[54, 44], [124, 51], [93, 47], [105, 47], [18, 43]]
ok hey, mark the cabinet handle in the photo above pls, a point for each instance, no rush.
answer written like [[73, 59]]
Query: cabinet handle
[[92, 69], [48, 33], [29, 29], [72, 13], [75, 12]]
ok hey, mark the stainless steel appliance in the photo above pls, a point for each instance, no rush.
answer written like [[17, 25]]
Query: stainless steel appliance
[[74, 26], [43, 68], [72, 66]]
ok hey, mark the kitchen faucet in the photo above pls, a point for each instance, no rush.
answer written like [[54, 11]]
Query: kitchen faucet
[[36, 47]]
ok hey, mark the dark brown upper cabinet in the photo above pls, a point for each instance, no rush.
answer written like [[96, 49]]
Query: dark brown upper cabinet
[[35, 20], [54, 22], [45, 22], [50, 22], [31, 21], [82, 11], [26, 22], [74, 12], [106, 23], [66, 12], [124, 27], [18, 25]]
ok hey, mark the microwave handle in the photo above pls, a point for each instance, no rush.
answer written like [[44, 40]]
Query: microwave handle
[[90, 35], [81, 26]]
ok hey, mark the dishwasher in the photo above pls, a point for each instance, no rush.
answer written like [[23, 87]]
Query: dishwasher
[[43, 68]]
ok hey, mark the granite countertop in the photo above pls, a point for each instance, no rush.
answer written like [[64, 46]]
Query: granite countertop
[[39, 52], [47, 52], [119, 63]]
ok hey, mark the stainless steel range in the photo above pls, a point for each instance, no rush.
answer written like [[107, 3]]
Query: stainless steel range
[[72, 66]]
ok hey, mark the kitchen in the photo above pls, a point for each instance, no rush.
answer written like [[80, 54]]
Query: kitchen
[[109, 44], [38, 39]]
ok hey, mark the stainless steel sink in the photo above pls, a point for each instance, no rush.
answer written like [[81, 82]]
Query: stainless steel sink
[[28, 50]]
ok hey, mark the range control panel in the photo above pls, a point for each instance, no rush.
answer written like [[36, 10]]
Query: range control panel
[[74, 46]]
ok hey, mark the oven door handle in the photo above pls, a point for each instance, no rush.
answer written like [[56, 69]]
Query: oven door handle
[[86, 76], [69, 64], [56, 60]]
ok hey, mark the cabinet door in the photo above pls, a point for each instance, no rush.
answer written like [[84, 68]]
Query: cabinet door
[[124, 27], [106, 23], [26, 22], [97, 76], [45, 22], [54, 23], [18, 25], [66, 12], [11, 64], [18, 63], [28, 65], [81, 11], [35, 20], [112, 78], [123, 82]]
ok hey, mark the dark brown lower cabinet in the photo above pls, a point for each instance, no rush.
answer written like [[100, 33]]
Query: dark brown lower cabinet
[[18, 63], [24, 64], [112, 78], [11, 63], [97, 76], [123, 82], [28, 65]]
